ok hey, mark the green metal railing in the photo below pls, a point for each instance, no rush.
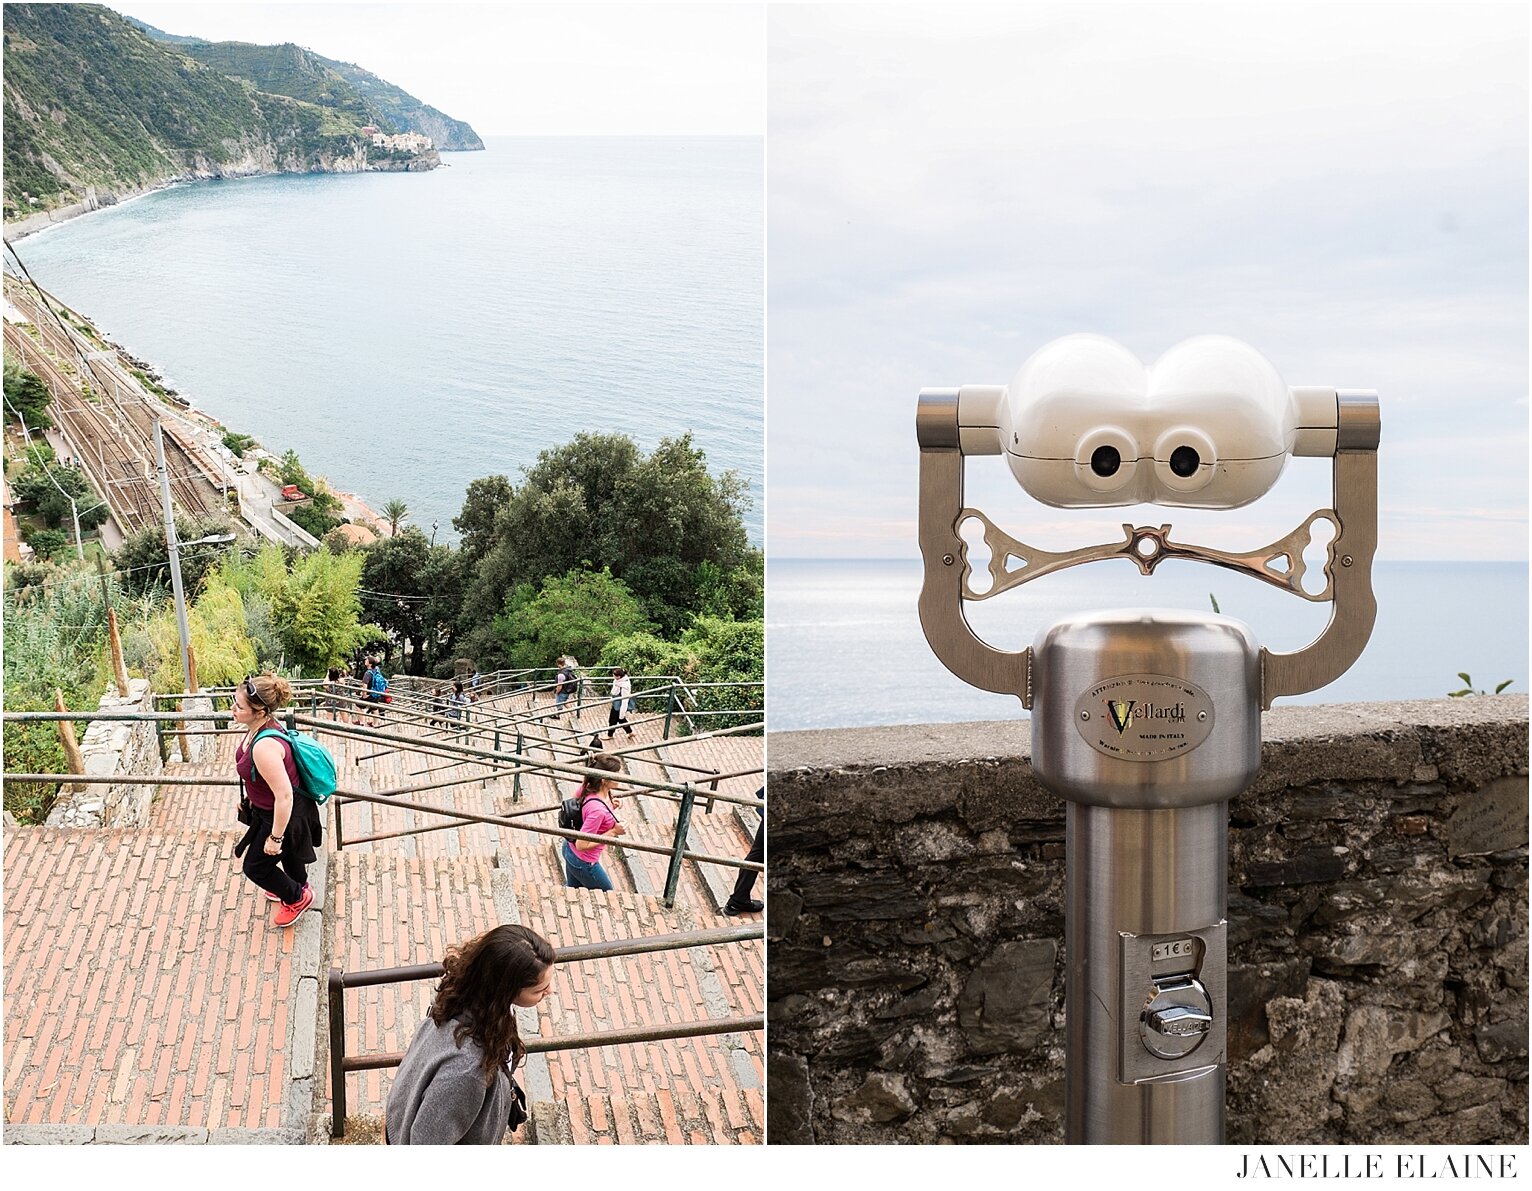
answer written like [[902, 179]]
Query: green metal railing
[[686, 793], [341, 1064]]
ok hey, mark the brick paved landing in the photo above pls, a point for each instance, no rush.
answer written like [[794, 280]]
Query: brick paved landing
[[394, 911], [145, 992], [143, 984]]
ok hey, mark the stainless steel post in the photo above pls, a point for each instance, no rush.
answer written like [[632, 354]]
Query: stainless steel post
[[1147, 722]]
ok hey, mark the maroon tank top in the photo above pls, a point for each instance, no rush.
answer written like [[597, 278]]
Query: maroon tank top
[[256, 789]]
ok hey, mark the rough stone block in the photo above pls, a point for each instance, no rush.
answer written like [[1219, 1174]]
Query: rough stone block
[[881, 1099], [789, 1107], [1374, 1035], [1506, 1039], [1004, 1005], [1491, 819], [255, 1137], [50, 1135], [150, 1135], [304, 1027]]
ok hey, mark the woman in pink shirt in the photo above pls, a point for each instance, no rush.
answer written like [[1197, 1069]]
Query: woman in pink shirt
[[598, 799]]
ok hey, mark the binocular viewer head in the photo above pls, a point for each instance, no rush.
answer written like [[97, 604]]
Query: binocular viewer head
[[1085, 424]]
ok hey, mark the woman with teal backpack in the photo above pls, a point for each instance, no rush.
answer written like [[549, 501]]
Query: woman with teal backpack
[[284, 826]]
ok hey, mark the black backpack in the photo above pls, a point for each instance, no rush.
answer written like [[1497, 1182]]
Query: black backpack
[[572, 813]]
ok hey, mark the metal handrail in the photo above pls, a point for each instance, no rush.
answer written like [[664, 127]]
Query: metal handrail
[[341, 1063], [676, 851]]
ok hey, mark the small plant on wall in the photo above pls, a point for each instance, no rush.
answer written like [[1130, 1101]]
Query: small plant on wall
[[1468, 687]]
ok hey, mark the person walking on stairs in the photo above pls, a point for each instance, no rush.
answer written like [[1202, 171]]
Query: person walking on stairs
[[456, 1084], [740, 901], [284, 830], [622, 696], [598, 816]]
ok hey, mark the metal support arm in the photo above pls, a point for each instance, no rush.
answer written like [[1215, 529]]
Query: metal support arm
[[1348, 567]]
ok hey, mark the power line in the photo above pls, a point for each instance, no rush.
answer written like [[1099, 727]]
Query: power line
[[95, 577], [392, 595]]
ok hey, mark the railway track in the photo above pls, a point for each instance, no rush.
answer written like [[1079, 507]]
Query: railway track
[[112, 429]]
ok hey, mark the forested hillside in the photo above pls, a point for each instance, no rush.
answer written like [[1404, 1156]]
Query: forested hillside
[[96, 109]]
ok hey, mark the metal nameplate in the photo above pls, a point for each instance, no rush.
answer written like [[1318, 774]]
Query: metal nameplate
[[1144, 717]]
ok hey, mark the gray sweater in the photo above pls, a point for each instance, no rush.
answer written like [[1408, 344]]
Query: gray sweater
[[438, 1096]]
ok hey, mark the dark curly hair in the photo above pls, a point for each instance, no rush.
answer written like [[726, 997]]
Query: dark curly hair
[[482, 978]]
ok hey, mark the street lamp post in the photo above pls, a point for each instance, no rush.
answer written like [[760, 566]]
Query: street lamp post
[[176, 588]]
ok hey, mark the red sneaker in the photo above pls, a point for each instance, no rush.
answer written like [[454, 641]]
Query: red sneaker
[[270, 896], [288, 914]]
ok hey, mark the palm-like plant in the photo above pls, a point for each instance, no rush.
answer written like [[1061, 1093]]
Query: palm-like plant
[[394, 512]]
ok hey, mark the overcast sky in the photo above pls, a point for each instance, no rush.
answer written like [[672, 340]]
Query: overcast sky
[[528, 69], [1345, 188]]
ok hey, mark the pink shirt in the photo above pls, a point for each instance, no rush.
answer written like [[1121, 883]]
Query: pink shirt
[[598, 820]]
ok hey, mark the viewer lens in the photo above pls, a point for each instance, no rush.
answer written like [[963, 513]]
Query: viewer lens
[[1184, 461], [1105, 461]]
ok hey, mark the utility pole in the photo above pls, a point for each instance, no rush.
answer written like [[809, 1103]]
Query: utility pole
[[175, 553]]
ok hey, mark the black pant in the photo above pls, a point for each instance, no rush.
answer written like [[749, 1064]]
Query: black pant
[[745, 886], [284, 875], [614, 718]]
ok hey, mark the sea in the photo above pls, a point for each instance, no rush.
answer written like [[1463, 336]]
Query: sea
[[407, 333], [845, 647]]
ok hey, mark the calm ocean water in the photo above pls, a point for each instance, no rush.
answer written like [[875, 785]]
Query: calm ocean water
[[845, 648], [408, 333]]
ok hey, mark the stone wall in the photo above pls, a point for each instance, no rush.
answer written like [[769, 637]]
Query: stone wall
[[1377, 932], [114, 747]]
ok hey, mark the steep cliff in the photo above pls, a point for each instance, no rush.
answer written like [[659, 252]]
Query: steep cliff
[[96, 110], [406, 113], [302, 74]]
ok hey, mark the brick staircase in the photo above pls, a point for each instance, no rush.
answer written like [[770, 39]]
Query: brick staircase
[[149, 998]]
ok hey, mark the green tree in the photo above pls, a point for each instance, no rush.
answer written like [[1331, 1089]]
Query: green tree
[[394, 512], [238, 444], [598, 502], [577, 613], [55, 637], [394, 572], [739, 594], [46, 543], [482, 503], [144, 558], [311, 519], [26, 397], [290, 470], [728, 651], [218, 628], [48, 488], [320, 612]]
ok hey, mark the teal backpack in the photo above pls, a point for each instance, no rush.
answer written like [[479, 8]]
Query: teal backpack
[[316, 768]]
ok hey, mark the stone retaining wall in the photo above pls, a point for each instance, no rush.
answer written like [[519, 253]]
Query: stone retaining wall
[[114, 747], [1377, 932]]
